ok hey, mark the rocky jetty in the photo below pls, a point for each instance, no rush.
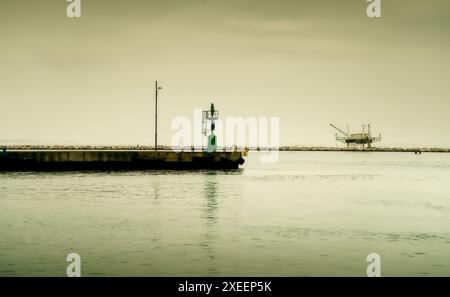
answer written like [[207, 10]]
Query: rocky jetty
[[235, 148]]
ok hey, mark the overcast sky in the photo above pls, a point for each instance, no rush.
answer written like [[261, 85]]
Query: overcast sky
[[91, 80]]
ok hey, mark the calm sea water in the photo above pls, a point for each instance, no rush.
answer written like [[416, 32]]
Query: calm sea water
[[310, 214]]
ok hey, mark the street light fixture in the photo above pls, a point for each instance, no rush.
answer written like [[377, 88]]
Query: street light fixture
[[156, 114]]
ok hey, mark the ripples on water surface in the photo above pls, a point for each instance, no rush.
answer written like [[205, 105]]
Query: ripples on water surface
[[311, 213]]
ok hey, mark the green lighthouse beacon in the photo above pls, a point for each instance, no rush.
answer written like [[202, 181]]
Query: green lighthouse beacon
[[210, 116]]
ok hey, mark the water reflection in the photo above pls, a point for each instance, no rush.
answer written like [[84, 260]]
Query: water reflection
[[156, 189], [207, 243], [211, 196]]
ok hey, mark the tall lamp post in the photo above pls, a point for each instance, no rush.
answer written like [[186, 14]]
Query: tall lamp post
[[156, 114]]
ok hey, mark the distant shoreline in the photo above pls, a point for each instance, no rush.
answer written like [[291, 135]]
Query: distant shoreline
[[282, 149]]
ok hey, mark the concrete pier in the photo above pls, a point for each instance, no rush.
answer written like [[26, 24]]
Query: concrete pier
[[65, 160]]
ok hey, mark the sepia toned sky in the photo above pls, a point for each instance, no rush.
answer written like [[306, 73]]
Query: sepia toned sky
[[91, 80]]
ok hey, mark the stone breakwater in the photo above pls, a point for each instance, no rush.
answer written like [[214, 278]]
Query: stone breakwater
[[225, 149], [57, 159], [373, 149], [83, 147], [113, 148]]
